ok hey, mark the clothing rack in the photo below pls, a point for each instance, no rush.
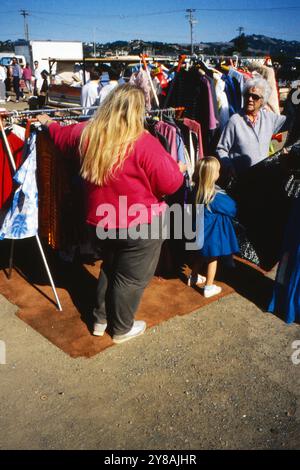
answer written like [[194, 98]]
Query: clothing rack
[[46, 111], [33, 113]]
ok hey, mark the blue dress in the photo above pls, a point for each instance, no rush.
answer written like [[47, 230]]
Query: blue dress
[[219, 235], [286, 295]]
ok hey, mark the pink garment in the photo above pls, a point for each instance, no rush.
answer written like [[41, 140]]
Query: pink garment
[[212, 121], [169, 132], [141, 80], [195, 127]]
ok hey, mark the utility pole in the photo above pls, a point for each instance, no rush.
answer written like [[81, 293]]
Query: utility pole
[[192, 22], [241, 30], [94, 42], [25, 13]]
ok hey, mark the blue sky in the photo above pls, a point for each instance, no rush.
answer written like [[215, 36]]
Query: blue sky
[[110, 20]]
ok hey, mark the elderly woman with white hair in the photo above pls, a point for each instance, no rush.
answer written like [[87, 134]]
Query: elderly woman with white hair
[[246, 138]]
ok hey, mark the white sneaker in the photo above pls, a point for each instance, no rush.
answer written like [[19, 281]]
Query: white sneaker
[[8, 98], [213, 290], [99, 329], [193, 280], [138, 329]]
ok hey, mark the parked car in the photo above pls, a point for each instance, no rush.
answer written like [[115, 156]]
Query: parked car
[[7, 60]]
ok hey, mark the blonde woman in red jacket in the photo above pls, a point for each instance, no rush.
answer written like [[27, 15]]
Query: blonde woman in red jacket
[[126, 172]]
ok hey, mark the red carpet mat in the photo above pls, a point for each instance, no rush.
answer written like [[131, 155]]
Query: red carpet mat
[[70, 330]]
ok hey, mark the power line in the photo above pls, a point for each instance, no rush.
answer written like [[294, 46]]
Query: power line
[[157, 13]]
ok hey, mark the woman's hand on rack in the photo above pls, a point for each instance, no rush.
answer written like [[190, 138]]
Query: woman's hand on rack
[[182, 167], [44, 119]]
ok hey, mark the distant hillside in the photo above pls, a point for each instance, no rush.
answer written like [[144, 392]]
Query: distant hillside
[[255, 45], [272, 46]]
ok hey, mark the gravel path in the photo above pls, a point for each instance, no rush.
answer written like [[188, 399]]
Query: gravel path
[[219, 378]]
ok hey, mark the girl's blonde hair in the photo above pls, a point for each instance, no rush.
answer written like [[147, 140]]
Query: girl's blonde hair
[[110, 135], [205, 175]]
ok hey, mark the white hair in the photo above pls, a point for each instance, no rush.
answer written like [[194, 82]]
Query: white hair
[[262, 84]]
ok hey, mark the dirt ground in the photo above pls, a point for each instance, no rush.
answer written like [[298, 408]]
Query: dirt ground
[[218, 378]]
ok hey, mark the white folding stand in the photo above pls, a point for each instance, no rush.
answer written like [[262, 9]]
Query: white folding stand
[[11, 158]]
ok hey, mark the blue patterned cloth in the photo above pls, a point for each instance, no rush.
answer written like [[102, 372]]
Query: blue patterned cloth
[[21, 221]]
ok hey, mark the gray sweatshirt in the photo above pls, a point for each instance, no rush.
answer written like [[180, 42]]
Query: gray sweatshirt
[[244, 144]]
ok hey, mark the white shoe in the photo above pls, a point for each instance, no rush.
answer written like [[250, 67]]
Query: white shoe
[[138, 329], [213, 290], [8, 98], [2, 101], [99, 329], [193, 280], [17, 101]]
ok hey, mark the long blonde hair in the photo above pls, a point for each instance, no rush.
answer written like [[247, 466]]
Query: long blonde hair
[[110, 135], [205, 175]]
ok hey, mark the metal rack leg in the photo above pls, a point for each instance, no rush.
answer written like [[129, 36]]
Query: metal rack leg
[[48, 272], [11, 258]]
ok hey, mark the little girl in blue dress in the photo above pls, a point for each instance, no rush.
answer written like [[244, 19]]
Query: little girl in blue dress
[[217, 237]]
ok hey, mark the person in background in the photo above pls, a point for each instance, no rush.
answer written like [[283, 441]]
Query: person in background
[[112, 84], [8, 82], [217, 237], [27, 76], [79, 76], [90, 92], [3, 76], [38, 80], [119, 158], [44, 88], [17, 75], [246, 138]]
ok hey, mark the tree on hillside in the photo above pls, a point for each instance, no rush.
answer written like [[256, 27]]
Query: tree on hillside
[[241, 43]]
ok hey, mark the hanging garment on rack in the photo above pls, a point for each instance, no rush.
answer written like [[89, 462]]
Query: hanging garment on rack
[[239, 81], [150, 125], [193, 91], [21, 221], [292, 111], [191, 143], [141, 80], [214, 101], [180, 148], [286, 295], [169, 132], [223, 105], [231, 94], [195, 127], [19, 131], [6, 172], [61, 206]]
